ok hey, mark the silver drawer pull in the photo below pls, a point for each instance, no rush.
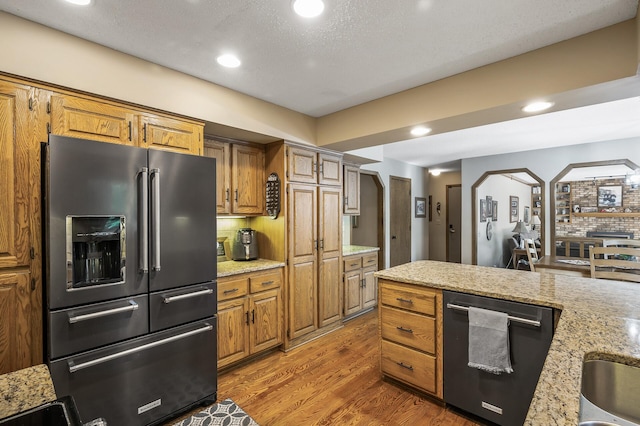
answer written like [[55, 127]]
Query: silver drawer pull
[[354, 264], [233, 290], [75, 367], [400, 299], [187, 295], [267, 282], [77, 318], [406, 330], [371, 260], [403, 365]]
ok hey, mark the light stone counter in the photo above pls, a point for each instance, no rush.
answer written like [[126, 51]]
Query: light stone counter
[[233, 267], [354, 250], [25, 389], [600, 320]]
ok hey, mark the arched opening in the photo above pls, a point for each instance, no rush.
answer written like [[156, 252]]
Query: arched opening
[[591, 202], [500, 199]]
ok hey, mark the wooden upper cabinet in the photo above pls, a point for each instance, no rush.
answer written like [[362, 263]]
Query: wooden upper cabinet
[[240, 182], [170, 134], [247, 179], [329, 169], [15, 141], [302, 165], [221, 152], [351, 190], [308, 166], [91, 119]]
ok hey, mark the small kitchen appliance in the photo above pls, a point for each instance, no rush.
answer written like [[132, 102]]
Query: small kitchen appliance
[[222, 254], [245, 245]]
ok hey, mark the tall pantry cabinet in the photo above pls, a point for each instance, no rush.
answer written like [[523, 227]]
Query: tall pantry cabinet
[[312, 206]]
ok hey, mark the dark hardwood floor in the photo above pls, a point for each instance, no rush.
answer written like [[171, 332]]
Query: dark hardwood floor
[[334, 380]]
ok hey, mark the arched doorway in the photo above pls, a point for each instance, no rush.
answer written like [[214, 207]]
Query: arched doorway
[[506, 197]]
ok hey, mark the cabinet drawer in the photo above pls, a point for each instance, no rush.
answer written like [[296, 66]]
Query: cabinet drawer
[[409, 366], [412, 299], [370, 260], [232, 287], [409, 329], [352, 263], [265, 281]]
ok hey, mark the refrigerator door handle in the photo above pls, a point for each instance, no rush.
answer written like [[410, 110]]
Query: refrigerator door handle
[[169, 299], [75, 367], [143, 209], [155, 224]]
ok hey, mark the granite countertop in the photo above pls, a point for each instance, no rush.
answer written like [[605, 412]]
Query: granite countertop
[[233, 267], [600, 320], [25, 389], [353, 250]]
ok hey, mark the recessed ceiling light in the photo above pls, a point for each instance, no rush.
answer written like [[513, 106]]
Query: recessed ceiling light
[[435, 172], [537, 106], [308, 8], [228, 60], [79, 2], [420, 131]]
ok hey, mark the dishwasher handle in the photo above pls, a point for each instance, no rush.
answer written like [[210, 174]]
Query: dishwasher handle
[[511, 318]]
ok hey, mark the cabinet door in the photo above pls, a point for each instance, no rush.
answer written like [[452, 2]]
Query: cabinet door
[[369, 287], [170, 134], [351, 190], [233, 334], [302, 165], [14, 176], [330, 169], [329, 254], [248, 186], [303, 269], [352, 292], [92, 119], [220, 151], [15, 326], [266, 323]]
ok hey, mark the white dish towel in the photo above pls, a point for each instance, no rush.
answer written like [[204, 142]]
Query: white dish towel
[[489, 341]]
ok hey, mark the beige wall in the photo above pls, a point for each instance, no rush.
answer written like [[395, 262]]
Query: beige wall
[[438, 234]]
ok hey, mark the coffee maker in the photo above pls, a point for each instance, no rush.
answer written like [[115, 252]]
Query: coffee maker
[[245, 245]]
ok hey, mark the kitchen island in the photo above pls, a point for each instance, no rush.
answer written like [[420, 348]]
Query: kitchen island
[[599, 319]]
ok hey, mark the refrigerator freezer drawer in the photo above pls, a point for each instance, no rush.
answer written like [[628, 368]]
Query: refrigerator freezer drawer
[[180, 306], [143, 380], [90, 326]]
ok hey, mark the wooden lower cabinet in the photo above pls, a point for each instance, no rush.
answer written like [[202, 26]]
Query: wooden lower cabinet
[[15, 326], [411, 335], [249, 314], [360, 289]]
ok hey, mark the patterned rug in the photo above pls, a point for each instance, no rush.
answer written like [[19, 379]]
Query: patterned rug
[[224, 413]]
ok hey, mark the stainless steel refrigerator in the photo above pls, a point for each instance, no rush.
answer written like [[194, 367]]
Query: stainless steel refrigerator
[[130, 279]]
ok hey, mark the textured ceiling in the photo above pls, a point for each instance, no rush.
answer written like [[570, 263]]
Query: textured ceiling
[[355, 52]]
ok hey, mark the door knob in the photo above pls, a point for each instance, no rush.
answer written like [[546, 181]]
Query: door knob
[[393, 237]]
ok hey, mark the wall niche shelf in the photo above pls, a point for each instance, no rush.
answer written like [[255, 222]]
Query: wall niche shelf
[[605, 214]]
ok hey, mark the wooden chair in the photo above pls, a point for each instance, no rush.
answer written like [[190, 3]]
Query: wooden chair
[[615, 263], [624, 242], [532, 253]]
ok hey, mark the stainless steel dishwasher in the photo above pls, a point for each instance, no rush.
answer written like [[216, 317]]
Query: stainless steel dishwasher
[[503, 399]]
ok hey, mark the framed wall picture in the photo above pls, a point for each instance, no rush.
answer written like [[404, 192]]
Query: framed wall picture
[[421, 207], [494, 211], [489, 206], [514, 208], [610, 196], [483, 210], [527, 214]]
